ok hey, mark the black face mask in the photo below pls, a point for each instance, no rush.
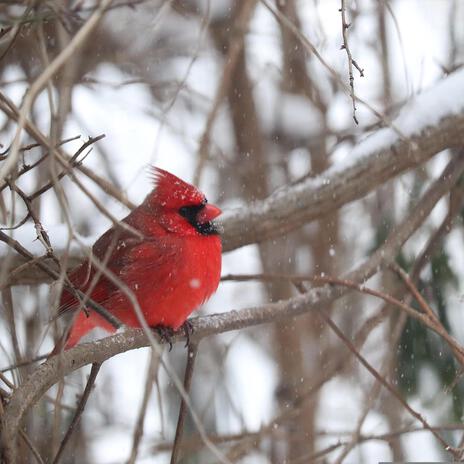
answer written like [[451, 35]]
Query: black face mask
[[191, 214]]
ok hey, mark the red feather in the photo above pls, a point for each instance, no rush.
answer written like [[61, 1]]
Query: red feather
[[172, 270]]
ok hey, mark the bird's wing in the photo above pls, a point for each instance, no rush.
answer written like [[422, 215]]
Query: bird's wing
[[138, 263], [107, 249], [148, 263]]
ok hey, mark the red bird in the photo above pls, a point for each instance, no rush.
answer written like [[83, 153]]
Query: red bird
[[172, 270]]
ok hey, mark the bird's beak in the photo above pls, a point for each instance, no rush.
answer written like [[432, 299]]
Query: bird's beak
[[208, 213]]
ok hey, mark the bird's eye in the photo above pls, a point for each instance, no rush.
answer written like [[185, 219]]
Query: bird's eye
[[190, 212]]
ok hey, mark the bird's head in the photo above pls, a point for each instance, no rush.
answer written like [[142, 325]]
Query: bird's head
[[180, 207]]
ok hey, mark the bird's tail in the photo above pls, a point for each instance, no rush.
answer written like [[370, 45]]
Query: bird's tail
[[80, 325]]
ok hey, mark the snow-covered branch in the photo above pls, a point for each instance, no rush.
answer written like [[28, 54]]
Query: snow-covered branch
[[429, 124], [432, 122], [55, 368]]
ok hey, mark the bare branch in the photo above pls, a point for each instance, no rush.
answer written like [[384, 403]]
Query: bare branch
[[386, 384], [291, 207], [138, 430], [377, 159], [191, 356], [48, 373], [246, 9], [351, 62], [46, 75], [31, 446], [79, 410]]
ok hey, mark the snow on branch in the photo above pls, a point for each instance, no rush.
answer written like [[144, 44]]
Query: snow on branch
[[430, 123]]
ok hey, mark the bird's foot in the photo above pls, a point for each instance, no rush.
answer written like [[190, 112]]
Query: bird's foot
[[165, 333], [188, 329]]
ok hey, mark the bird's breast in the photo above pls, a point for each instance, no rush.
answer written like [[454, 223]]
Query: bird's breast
[[189, 284], [202, 267]]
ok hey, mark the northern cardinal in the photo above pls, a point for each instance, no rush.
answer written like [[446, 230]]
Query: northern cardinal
[[172, 270]]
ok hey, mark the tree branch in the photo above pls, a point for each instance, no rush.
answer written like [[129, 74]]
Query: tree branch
[[79, 410], [56, 367], [294, 206], [375, 160]]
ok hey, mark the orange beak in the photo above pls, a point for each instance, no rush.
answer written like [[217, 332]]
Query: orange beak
[[208, 213]]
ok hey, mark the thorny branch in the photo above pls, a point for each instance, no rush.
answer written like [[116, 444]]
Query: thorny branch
[[312, 49], [351, 62]]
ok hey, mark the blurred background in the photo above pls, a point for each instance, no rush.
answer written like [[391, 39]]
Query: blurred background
[[225, 95]]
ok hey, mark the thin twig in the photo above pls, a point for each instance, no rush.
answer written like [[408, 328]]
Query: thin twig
[[310, 47], [414, 291], [351, 62], [111, 318], [387, 365], [27, 362], [428, 318], [31, 446], [9, 314], [19, 224], [13, 113], [36, 145], [452, 342], [455, 204], [42, 234], [386, 384], [73, 162], [5, 380], [246, 9], [191, 356], [138, 430], [76, 42], [79, 410], [193, 444], [14, 31]]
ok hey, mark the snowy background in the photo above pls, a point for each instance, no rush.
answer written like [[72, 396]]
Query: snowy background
[[148, 80]]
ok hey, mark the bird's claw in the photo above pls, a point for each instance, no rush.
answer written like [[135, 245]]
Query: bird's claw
[[188, 329], [165, 334]]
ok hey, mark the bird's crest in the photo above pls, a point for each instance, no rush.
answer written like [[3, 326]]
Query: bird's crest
[[174, 192]]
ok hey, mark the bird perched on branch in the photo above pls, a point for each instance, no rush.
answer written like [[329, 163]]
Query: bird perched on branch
[[169, 258]]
